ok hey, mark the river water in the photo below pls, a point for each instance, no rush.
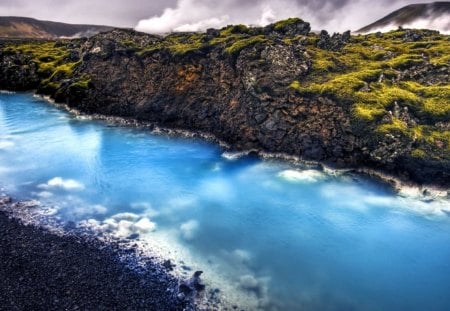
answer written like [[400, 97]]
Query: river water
[[268, 235]]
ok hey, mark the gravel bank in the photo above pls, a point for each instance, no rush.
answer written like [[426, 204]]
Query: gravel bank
[[43, 271]]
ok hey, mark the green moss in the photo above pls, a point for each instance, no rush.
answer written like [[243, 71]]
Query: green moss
[[234, 29], [396, 125], [404, 61], [82, 83], [176, 44], [50, 58], [280, 25], [418, 153], [180, 49], [368, 112], [239, 45], [49, 87], [364, 77]]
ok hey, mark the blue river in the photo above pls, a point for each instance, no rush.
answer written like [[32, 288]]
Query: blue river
[[269, 235]]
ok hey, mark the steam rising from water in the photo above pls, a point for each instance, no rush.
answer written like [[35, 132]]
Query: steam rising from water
[[440, 22], [340, 15]]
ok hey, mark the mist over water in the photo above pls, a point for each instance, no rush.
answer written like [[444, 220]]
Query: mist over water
[[269, 235]]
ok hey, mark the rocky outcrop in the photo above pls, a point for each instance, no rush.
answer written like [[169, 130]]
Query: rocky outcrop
[[238, 91]]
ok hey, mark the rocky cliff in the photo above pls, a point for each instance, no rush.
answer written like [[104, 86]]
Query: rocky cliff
[[379, 101]]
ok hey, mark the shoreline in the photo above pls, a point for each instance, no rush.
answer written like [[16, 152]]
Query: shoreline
[[398, 184], [44, 270]]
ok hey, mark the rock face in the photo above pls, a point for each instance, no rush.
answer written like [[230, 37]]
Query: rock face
[[238, 91]]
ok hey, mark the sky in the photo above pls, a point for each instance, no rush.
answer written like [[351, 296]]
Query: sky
[[193, 15]]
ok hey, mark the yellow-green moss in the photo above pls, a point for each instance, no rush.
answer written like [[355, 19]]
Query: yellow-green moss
[[396, 125], [81, 83], [176, 44], [234, 29], [368, 112], [418, 153], [283, 23], [51, 58], [239, 45], [364, 76]]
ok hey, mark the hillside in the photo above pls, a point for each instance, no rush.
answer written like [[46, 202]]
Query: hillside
[[24, 27], [427, 15], [377, 101]]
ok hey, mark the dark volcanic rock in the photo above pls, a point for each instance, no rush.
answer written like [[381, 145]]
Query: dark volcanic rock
[[240, 92], [43, 271], [333, 43]]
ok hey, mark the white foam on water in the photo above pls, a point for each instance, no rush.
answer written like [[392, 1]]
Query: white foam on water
[[44, 194], [7, 92], [6, 144], [302, 176], [125, 216], [429, 207], [145, 208], [59, 182], [189, 229], [4, 170], [222, 272], [122, 225], [144, 225], [83, 210], [217, 189], [231, 156]]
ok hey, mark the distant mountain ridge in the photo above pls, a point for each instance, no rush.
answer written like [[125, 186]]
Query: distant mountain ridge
[[434, 15], [25, 27]]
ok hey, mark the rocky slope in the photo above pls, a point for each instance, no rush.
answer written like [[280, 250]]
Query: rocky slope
[[24, 27], [378, 101]]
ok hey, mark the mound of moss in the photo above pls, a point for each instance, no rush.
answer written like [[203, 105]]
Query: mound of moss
[[52, 59], [373, 74]]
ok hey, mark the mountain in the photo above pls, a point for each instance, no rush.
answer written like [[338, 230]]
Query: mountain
[[434, 15], [24, 27]]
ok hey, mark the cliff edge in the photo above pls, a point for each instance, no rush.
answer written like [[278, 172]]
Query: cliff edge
[[379, 100]]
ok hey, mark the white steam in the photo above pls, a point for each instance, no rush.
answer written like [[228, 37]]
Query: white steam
[[340, 15], [197, 15], [440, 22]]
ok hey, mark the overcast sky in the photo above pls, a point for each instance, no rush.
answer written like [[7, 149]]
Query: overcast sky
[[187, 15]]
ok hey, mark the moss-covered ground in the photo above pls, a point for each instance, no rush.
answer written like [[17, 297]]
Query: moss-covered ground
[[368, 76], [52, 60]]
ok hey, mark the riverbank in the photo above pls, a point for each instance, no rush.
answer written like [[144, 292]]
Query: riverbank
[[41, 270], [279, 89]]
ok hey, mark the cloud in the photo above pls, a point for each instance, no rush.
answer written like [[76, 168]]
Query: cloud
[[66, 184], [339, 15], [190, 15], [106, 12]]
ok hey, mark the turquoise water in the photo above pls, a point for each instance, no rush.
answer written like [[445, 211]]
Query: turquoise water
[[269, 235]]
